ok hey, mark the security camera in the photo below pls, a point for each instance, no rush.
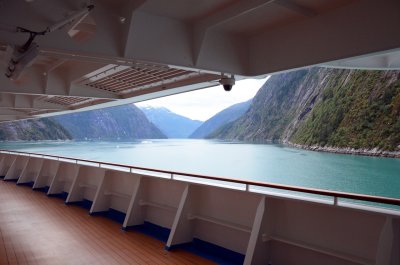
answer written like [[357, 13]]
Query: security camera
[[227, 82]]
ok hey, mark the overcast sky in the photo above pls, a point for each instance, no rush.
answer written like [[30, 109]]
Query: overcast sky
[[204, 103]]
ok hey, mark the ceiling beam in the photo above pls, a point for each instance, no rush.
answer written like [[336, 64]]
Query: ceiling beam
[[9, 111], [230, 12], [360, 28], [377, 61], [13, 117], [26, 109], [240, 8], [202, 26], [76, 91], [296, 8], [54, 65], [19, 101], [57, 85]]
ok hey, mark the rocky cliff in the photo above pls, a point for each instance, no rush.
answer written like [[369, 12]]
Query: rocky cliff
[[33, 130], [117, 123], [321, 107]]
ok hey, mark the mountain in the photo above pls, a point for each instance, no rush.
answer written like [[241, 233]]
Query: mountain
[[117, 123], [324, 107], [170, 123], [33, 130], [228, 115]]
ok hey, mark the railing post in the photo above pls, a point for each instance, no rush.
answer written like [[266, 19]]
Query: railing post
[[335, 201], [172, 175], [247, 187]]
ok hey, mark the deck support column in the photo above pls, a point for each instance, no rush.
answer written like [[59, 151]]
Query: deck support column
[[16, 168], [182, 228], [100, 202], [389, 243], [6, 163], [257, 249], [134, 214], [31, 170], [46, 174], [74, 193], [66, 172]]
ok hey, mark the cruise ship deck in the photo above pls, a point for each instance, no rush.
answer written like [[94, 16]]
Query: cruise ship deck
[[38, 230], [163, 214], [64, 56]]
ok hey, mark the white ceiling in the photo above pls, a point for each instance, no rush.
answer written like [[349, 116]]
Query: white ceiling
[[132, 50]]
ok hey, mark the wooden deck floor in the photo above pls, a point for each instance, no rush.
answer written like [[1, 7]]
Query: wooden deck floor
[[36, 229]]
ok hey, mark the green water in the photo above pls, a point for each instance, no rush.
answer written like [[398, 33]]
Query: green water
[[261, 162]]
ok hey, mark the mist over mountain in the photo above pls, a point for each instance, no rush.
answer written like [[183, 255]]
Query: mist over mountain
[[223, 117], [171, 124]]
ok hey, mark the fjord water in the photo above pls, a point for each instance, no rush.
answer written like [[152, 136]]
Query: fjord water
[[261, 162]]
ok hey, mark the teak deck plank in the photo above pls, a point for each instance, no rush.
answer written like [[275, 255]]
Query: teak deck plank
[[38, 230]]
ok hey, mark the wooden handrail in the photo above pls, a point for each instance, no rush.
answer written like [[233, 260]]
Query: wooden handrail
[[335, 194]]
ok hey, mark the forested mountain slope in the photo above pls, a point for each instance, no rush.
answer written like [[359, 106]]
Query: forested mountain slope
[[324, 107]]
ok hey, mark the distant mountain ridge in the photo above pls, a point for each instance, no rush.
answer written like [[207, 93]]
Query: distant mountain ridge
[[125, 122], [171, 124], [222, 118]]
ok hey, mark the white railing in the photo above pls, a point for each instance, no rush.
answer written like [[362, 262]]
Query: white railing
[[239, 184]]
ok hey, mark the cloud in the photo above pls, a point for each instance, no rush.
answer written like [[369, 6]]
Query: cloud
[[204, 103]]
